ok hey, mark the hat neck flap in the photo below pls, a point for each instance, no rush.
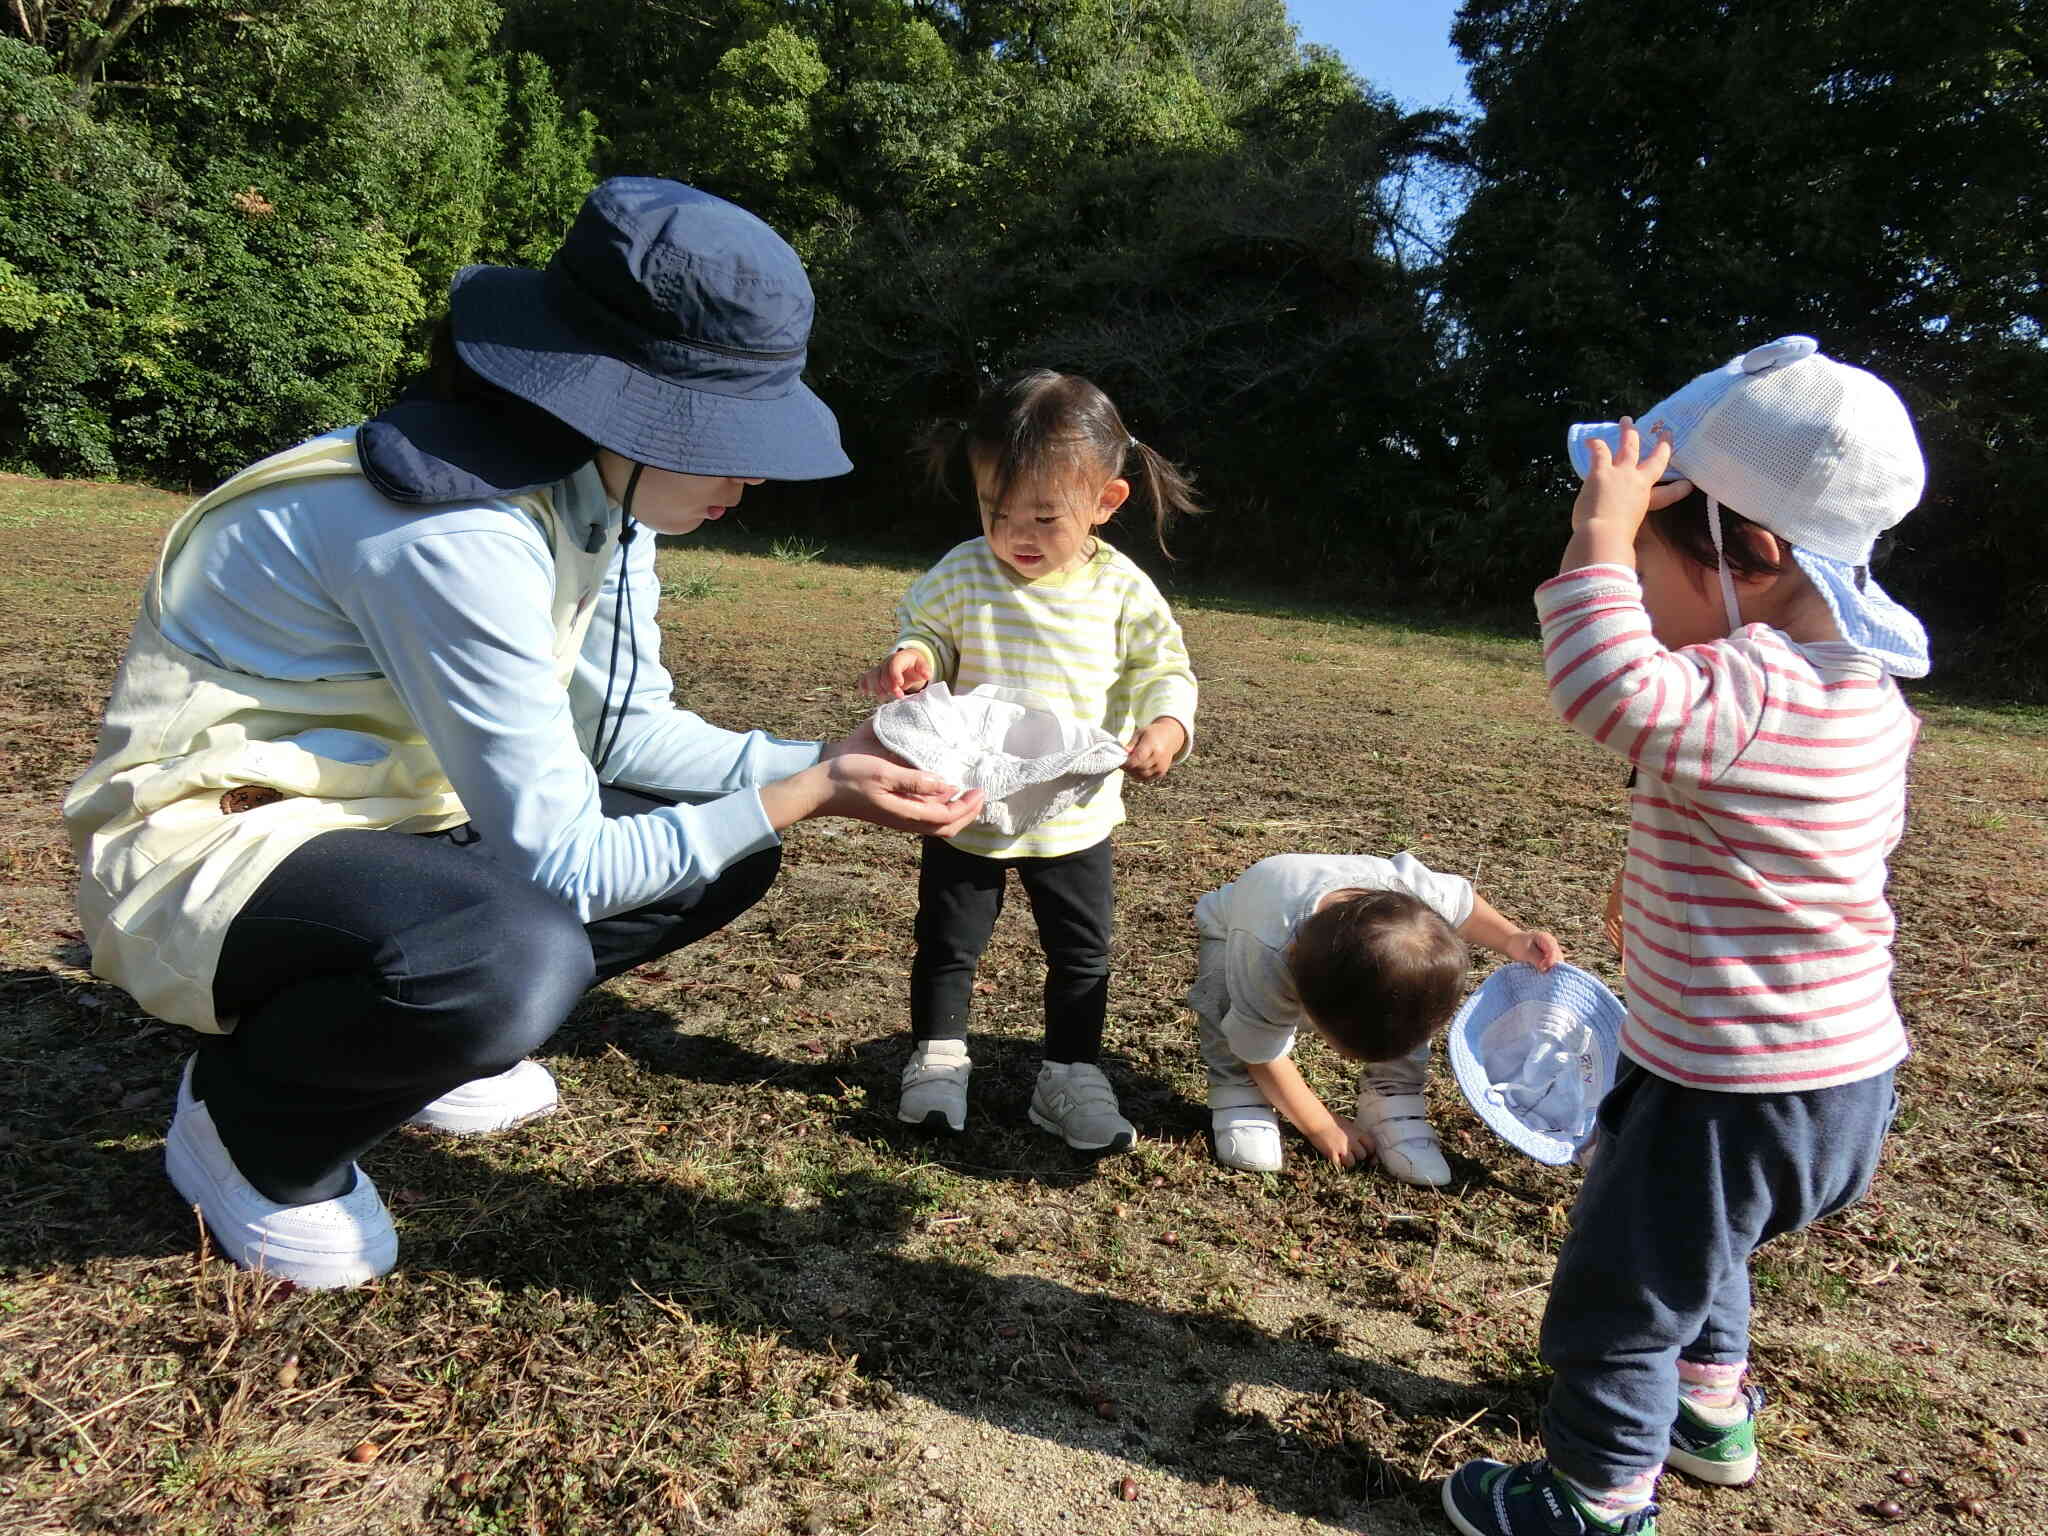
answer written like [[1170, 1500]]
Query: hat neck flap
[[425, 451]]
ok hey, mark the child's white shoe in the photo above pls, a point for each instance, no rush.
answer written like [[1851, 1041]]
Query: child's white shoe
[[1074, 1101], [1395, 1118], [935, 1086], [1247, 1137]]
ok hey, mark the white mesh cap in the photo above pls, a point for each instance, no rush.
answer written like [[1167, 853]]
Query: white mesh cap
[[1822, 454]]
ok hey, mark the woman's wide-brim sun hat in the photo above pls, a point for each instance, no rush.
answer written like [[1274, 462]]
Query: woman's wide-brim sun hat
[[672, 327], [1534, 1052]]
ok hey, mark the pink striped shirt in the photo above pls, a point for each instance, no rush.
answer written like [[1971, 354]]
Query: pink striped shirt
[[1771, 787]]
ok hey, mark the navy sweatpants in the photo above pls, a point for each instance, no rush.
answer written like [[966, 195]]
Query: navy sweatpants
[[375, 971], [1686, 1185]]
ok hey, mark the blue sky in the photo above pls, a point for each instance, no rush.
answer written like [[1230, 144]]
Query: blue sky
[[1402, 46]]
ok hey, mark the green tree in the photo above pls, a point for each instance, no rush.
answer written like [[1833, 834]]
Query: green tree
[[1859, 170]]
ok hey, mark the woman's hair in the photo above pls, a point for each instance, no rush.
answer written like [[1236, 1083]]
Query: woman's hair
[[448, 377], [1036, 419], [1379, 973], [1683, 528]]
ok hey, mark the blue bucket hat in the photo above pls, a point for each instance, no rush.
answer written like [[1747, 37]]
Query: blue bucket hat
[[671, 327], [1535, 1052]]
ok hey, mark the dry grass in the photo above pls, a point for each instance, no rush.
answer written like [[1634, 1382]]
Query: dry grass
[[720, 1291]]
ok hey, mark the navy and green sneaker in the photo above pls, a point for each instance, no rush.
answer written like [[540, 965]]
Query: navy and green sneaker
[[1491, 1498], [1722, 1454]]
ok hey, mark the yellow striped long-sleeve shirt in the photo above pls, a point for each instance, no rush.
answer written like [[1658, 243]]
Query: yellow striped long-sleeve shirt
[[1096, 641]]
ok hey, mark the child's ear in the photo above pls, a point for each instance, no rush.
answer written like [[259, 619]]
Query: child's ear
[[1772, 550], [1114, 495]]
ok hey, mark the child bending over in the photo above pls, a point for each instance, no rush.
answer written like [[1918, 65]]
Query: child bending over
[[1370, 953], [1040, 602], [1744, 665]]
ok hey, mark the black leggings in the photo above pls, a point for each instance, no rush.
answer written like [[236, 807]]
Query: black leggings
[[959, 897], [375, 971]]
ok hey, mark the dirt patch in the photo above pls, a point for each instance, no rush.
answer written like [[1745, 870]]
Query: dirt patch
[[722, 1290]]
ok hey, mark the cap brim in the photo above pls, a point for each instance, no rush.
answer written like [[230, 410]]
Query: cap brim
[[1580, 992], [507, 331], [1868, 617], [1578, 442]]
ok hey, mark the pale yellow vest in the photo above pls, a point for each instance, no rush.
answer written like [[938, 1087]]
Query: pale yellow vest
[[195, 797]]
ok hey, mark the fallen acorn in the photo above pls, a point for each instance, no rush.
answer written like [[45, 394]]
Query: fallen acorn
[[2021, 1435], [1127, 1490], [288, 1372], [1891, 1509], [1973, 1506], [365, 1451], [1906, 1477], [1105, 1408]]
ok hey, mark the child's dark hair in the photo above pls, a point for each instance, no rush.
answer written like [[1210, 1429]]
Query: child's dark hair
[[1036, 417], [1379, 973], [1683, 528]]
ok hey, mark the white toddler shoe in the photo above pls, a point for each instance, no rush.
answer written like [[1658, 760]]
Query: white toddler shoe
[[1247, 1137], [520, 1093], [1395, 1117], [935, 1086], [323, 1246]]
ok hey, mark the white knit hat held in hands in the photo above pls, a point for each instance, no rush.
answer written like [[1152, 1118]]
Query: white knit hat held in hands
[[1820, 453]]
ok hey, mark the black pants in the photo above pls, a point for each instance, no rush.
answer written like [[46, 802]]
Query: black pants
[[959, 897], [375, 971]]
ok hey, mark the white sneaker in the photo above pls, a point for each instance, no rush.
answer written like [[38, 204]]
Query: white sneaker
[[513, 1097], [935, 1086], [324, 1246], [1403, 1140], [1247, 1138], [1074, 1101]]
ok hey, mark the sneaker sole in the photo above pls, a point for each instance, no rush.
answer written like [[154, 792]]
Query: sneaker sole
[[319, 1272], [481, 1127], [1118, 1143], [934, 1123], [1722, 1474]]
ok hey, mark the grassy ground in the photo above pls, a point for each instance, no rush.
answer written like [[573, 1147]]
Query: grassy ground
[[722, 1291]]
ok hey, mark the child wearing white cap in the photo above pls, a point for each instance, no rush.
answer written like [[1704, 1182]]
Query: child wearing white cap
[[1744, 665], [1370, 954]]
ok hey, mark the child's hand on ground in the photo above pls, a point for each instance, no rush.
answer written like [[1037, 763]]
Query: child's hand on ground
[[1534, 947], [898, 673], [1153, 749], [1343, 1143]]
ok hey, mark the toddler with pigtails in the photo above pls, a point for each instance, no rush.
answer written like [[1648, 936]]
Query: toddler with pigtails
[[1040, 602]]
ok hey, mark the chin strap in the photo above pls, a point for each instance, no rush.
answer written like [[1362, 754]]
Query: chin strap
[[1721, 566], [622, 600]]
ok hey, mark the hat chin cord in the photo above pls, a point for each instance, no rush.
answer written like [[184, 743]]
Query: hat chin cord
[[1721, 565], [623, 601]]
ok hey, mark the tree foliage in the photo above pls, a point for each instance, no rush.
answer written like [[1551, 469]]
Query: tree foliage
[[227, 222], [1862, 171]]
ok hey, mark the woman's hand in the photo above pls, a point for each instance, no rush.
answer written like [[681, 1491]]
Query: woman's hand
[[901, 672], [862, 786], [1153, 749]]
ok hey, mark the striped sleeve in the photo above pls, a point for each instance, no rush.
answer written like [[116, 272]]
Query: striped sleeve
[[927, 618], [1157, 672], [1682, 716]]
